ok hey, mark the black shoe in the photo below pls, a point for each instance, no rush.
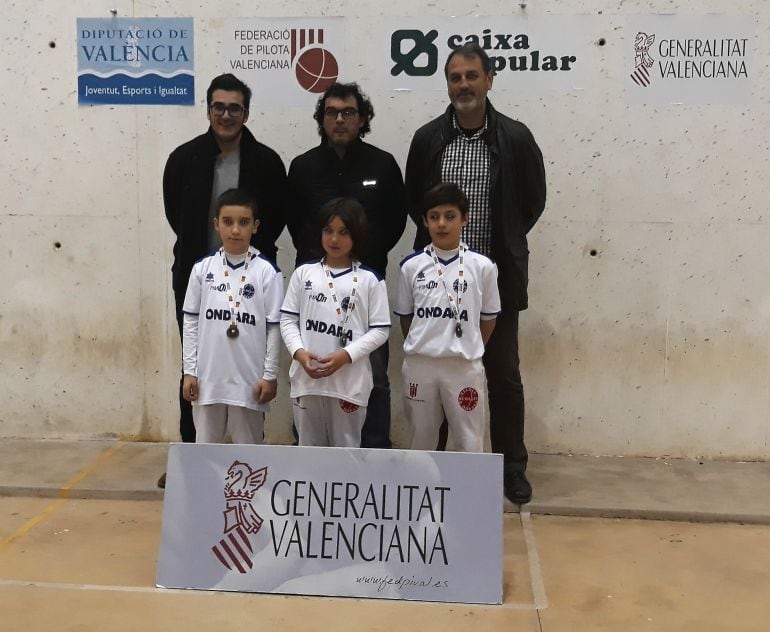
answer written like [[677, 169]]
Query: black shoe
[[517, 487], [162, 481]]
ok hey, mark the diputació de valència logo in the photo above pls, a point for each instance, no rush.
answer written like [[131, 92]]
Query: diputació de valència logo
[[136, 61]]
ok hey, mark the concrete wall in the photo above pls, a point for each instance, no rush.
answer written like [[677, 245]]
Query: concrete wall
[[648, 327]]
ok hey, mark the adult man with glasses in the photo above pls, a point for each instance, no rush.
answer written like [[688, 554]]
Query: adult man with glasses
[[226, 157], [497, 163], [343, 165]]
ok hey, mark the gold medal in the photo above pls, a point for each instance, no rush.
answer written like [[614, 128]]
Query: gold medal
[[232, 331]]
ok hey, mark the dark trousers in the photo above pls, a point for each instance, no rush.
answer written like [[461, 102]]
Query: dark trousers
[[186, 425], [506, 394], [376, 430]]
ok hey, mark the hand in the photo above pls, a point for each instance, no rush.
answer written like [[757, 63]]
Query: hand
[[309, 362], [329, 365], [265, 391], [190, 388]]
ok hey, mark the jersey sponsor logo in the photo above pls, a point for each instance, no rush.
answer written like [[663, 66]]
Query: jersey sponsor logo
[[413, 386], [456, 286], [348, 407], [439, 312], [468, 398], [221, 287], [430, 285], [248, 290], [328, 328], [319, 297], [224, 314]]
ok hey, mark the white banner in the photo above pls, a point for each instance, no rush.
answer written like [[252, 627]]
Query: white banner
[[285, 61], [542, 53], [690, 59], [393, 524]]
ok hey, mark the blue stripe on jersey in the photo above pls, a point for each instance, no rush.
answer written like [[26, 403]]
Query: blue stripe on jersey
[[336, 275], [380, 326], [264, 258], [308, 262], [206, 256], [448, 261], [376, 274], [191, 313], [404, 315], [286, 311], [408, 257]]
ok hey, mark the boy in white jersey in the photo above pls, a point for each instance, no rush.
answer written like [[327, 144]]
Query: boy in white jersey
[[231, 336], [448, 302], [335, 314]]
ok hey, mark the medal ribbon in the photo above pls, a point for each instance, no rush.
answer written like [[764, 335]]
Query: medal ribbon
[[235, 306], [338, 304], [440, 273]]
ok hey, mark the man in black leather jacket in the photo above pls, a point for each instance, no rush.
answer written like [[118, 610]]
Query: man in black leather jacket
[[497, 163]]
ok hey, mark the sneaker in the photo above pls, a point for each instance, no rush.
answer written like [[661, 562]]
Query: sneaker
[[517, 487], [162, 481]]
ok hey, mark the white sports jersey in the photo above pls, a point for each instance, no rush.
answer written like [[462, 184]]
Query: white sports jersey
[[309, 321], [422, 295], [228, 368]]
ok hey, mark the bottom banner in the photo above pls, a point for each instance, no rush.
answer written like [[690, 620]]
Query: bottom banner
[[391, 524]]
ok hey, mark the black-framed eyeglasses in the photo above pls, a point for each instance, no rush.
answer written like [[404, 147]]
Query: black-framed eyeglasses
[[347, 113], [233, 109]]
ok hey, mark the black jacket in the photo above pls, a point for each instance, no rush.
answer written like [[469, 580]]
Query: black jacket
[[366, 173], [187, 183], [517, 191]]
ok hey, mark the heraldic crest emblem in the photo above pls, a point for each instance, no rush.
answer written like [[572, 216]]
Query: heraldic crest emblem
[[241, 519]]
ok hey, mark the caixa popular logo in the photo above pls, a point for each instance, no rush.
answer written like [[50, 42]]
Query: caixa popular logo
[[416, 53], [643, 61], [234, 550]]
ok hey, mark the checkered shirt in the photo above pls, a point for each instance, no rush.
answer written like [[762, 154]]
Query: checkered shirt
[[465, 162]]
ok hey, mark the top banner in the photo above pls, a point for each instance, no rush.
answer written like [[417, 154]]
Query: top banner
[[690, 59], [136, 61], [548, 53]]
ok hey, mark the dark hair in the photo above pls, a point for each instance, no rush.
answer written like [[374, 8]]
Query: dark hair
[[445, 193], [343, 91], [470, 49], [230, 83], [236, 197], [350, 213]]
